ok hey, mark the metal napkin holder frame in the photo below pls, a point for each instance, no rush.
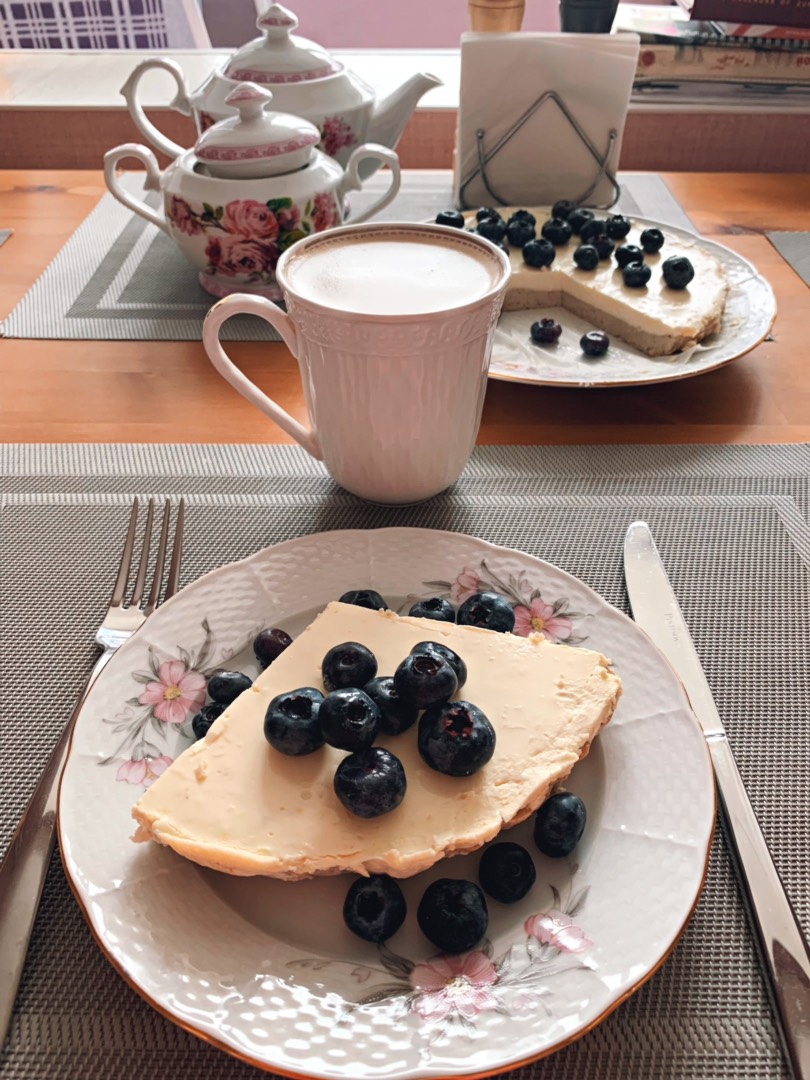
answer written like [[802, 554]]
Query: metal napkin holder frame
[[485, 156]]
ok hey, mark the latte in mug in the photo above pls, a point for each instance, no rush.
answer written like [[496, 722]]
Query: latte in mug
[[392, 272], [392, 326]]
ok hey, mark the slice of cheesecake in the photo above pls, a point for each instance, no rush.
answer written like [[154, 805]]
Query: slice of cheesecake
[[234, 803]]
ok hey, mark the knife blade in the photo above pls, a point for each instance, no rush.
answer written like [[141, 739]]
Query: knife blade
[[784, 948]]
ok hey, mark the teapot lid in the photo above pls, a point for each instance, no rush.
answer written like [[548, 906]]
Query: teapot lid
[[273, 142], [279, 56]]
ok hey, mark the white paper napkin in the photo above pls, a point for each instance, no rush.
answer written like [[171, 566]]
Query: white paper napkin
[[503, 75]]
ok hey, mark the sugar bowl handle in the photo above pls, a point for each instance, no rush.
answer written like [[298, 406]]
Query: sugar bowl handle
[[353, 182], [244, 304], [180, 103], [151, 183]]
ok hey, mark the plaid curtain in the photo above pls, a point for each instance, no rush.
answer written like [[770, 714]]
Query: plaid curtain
[[100, 24]]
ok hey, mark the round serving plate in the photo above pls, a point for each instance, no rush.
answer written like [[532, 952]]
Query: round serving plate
[[747, 319], [266, 969]]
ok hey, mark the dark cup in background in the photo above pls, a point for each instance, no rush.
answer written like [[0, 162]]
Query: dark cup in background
[[587, 16]]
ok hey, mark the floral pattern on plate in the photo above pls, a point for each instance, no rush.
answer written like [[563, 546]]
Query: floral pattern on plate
[[534, 613], [449, 991]]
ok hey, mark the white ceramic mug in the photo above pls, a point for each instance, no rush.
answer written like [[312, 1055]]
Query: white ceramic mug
[[392, 327]]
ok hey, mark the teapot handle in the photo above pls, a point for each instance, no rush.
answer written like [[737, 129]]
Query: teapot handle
[[180, 103], [352, 182], [151, 183]]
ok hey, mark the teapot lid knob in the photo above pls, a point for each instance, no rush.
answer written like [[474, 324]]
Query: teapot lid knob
[[277, 21], [249, 100]]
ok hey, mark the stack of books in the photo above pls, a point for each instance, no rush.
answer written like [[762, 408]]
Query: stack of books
[[699, 52]]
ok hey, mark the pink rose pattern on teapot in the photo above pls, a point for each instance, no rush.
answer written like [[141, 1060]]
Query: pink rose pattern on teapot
[[245, 237]]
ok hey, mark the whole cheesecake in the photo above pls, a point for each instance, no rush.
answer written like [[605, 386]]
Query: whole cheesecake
[[234, 803], [655, 319]]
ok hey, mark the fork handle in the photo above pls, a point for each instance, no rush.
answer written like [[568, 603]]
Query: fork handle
[[25, 864]]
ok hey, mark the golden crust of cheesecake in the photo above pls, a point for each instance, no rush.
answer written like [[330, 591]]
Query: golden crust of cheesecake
[[656, 320], [233, 803]]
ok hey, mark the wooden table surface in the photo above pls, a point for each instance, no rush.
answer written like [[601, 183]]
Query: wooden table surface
[[167, 391]]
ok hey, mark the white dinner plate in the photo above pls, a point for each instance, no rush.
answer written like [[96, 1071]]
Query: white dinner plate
[[748, 317], [265, 969]]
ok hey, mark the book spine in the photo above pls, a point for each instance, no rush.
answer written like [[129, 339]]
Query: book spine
[[795, 13], [668, 62], [764, 32]]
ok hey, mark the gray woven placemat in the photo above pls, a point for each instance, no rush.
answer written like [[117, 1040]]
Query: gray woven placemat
[[794, 247], [730, 525], [4, 235], [119, 277]]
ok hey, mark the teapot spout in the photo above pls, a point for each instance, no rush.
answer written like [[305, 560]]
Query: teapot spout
[[392, 113]]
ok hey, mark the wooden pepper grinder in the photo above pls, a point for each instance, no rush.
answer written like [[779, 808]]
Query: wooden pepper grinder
[[496, 16]]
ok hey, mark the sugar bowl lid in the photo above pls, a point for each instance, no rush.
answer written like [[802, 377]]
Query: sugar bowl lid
[[279, 56], [256, 143]]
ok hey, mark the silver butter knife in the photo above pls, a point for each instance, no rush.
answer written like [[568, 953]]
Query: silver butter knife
[[784, 948]]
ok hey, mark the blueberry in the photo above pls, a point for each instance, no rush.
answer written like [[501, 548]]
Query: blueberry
[[636, 275], [522, 215], [488, 610], [594, 343], [452, 658], [594, 227], [652, 240], [506, 872], [604, 245], [205, 718], [577, 218], [617, 227], [455, 738], [545, 332], [493, 229], [519, 233], [539, 253], [349, 719], [677, 271], [349, 664], [435, 608], [370, 782], [628, 253], [367, 598], [396, 715], [374, 908], [487, 212], [291, 723], [450, 217], [563, 208], [452, 914], [425, 679], [586, 257], [556, 231], [268, 645], [559, 824], [226, 686]]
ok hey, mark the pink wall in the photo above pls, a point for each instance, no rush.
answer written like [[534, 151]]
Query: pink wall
[[425, 24]]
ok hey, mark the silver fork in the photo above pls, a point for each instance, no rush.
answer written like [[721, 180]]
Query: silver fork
[[25, 864]]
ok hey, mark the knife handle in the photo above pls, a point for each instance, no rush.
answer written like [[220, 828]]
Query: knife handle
[[784, 946]]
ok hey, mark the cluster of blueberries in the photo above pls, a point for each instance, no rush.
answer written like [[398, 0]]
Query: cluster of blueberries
[[454, 736], [452, 913], [598, 238]]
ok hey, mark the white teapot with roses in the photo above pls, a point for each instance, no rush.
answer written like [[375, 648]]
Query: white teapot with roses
[[253, 185], [306, 80]]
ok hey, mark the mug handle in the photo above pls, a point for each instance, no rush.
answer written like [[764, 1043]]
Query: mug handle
[[180, 103], [151, 183], [244, 304], [352, 182]]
